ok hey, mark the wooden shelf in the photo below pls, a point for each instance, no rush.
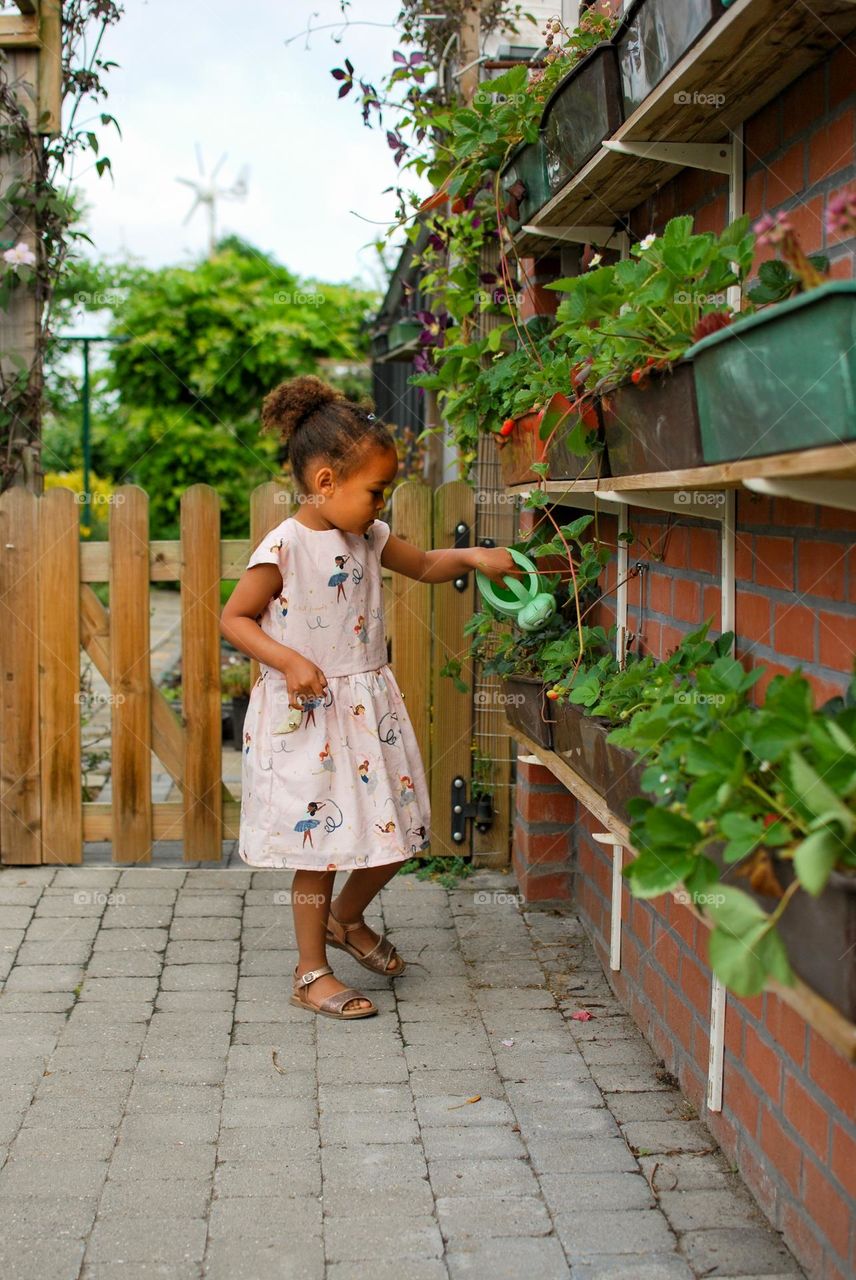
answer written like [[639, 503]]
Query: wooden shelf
[[817, 1012], [754, 51], [795, 474]]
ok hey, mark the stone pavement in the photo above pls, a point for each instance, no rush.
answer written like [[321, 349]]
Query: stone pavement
[[166, 1112]]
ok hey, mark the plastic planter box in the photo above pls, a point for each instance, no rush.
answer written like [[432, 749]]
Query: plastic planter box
[[523, 182], [580, 741], [653, 37], [582, 110], [780, 380], [654, 425], [529, 709]]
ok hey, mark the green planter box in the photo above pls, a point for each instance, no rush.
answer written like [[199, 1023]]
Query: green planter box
[[582, 110], [402, 332], [524, 183], [782, 379], [653, 37]]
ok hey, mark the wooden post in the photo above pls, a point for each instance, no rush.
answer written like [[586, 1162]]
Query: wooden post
[[470, 41]]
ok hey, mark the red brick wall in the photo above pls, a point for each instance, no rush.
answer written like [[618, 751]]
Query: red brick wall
[[789, 1100]]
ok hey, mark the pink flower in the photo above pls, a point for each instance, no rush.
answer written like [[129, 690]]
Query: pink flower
[[841, 214], [20, 256], [582, 1015], [772, 231]]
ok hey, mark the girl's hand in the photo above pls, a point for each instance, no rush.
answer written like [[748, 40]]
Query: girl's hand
[[303, 678], [496, 563]]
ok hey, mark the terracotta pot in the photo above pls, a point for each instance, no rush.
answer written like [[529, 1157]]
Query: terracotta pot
[[524, 446]]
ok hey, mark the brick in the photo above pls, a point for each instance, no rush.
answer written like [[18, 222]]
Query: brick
[[712, 217], [785, 175], [798, 1233], [687, 600], [844, 1160], [752, 509], [744, 557], [763, 132], [753, 192], [786, 1027], [794, 631], [803, 102], [753, 617], [837, 640], [670, 638], [712, 606], [695, 983], [830, 148], [783, 1153], [679, 1019], [536, 848], [704, 550], [660, 593], [807, 220], [774, 562], [640, 916], [821, 569], [804, 1115], [665, 950], [763, 1064], [791, 514], [826, 1208], [841, 73], [544, 888], [833, 1074]]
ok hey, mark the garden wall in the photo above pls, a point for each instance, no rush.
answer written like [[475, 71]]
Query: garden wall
[[789, 1099]]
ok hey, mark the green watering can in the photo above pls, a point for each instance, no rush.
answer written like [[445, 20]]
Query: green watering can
[[531, 607]]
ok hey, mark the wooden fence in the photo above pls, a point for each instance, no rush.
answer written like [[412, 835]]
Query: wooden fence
[[48, 610]]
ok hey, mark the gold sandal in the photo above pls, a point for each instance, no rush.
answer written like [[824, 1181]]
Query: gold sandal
[[378, 960], [333, 1006]]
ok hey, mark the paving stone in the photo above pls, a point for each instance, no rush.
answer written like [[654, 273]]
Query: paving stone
[[367, 1128], [229, 1260], [654, 1105], [465, 1177], [265, 1220], [354, 1239], [454, 1111], [649, 1137], [574, 1155], [48, 1259], [655, 1266], [295, 1176], [123, 1238], [634, 1231], [737, 1251], [565, 1192], [688, 1172], [39, 1176], [153, 1197], [697, 1210], [379, 1099], [485, 1142], [417, 1269], [467, 1218], [62, 1217], [509, 1258], [543, 1120]]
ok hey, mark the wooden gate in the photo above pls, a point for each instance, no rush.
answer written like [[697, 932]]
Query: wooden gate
[[48, 610]]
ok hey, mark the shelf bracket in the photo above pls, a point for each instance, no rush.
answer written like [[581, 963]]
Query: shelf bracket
[[713, 156], [828, 493], [717, 1045], [594, 234], [609, 838]]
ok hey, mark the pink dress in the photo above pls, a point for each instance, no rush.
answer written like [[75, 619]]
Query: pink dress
[[347, 788]]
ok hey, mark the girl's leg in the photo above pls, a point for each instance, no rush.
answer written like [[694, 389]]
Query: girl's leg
[[310, 903], [353, 898]]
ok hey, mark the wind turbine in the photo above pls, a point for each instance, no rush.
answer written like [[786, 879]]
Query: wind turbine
[[208, 193]]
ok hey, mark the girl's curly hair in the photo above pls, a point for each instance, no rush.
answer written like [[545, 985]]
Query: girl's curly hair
[[314, 420]]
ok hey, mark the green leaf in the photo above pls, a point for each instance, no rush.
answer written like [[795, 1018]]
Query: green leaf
[[652, 874], [816, 796], [815, 858]]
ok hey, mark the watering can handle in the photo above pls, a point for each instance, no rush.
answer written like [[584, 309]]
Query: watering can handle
[[517, 589]]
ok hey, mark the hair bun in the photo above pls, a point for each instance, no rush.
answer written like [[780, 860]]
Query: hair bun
[[289, 404]]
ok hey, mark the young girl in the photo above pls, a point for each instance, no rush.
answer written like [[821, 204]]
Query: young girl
[[332, 777]]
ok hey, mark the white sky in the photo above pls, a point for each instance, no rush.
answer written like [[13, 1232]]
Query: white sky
[[220, 74]]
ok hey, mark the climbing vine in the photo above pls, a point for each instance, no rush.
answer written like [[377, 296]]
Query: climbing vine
[[38, 204]]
